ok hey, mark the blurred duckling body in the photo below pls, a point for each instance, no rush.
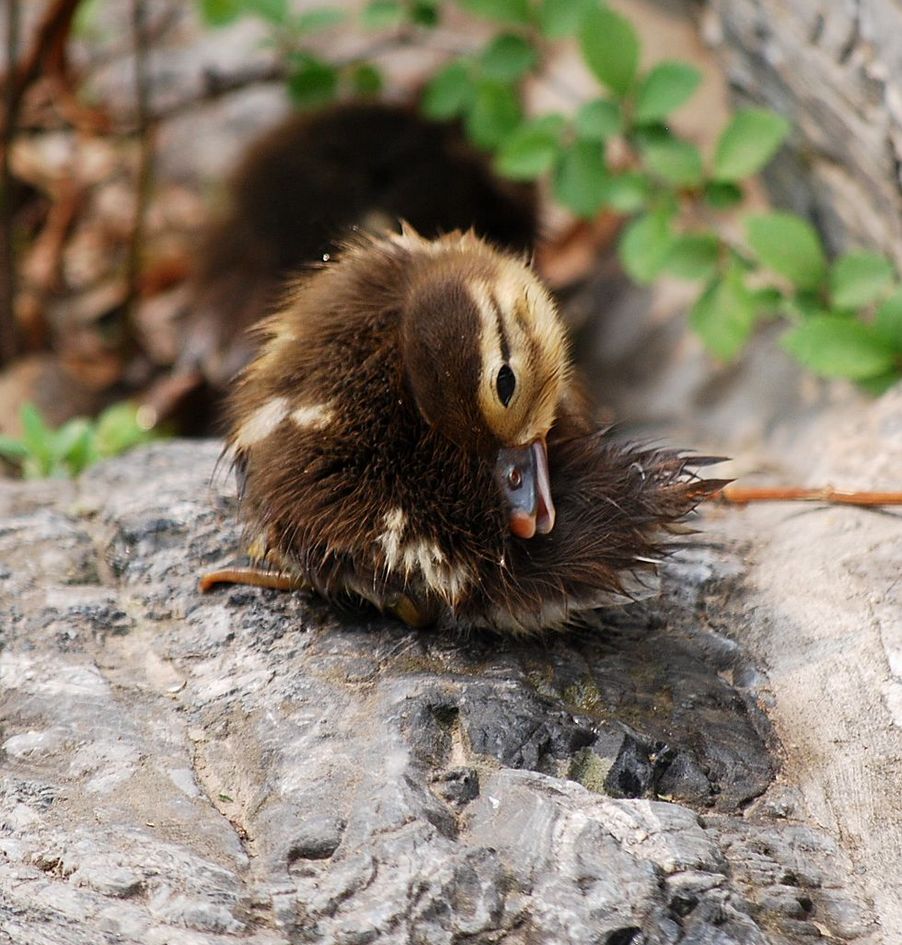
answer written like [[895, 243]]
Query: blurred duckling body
[[313, 178], [409, 434]]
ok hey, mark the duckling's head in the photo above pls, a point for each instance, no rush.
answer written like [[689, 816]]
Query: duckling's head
[[487, 362]]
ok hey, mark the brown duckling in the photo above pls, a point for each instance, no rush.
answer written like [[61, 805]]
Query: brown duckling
[[410, 434], [311, 179]]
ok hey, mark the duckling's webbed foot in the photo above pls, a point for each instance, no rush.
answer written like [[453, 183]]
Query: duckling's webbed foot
[[418, 615]]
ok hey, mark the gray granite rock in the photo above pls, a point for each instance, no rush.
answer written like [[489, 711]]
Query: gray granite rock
[[255, 767], [834, 70]]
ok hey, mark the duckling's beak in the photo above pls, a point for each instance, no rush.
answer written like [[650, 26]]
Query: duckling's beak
[[522, 473]]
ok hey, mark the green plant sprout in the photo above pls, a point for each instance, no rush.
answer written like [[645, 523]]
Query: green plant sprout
[[43, 451], [844, 317]]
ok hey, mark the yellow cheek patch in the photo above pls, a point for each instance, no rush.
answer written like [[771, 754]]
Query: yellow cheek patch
[[519, 326]]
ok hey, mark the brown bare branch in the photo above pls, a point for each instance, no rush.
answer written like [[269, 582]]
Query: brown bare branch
[[47, 54], [145, 164], [9, 332], [742, 495], [48, 50]]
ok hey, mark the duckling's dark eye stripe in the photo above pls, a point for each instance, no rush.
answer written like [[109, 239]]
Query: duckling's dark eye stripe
[[502, 334]]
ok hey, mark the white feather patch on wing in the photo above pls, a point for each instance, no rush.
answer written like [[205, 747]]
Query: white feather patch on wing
[[395, 522], [261, 423], [421, 558], [313, 416]]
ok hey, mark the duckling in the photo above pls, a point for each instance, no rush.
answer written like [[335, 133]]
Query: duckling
[[309, 180], [411, 434]]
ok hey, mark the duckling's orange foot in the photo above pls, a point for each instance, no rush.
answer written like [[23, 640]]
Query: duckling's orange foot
[[251, 577], [416, 614]]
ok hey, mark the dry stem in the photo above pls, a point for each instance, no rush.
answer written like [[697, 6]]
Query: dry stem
[[741, 495]]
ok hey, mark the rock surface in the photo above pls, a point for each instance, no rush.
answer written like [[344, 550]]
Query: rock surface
[[835, 70], [253, 767]]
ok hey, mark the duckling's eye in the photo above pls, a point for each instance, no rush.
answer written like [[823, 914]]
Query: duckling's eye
[[505, 384]]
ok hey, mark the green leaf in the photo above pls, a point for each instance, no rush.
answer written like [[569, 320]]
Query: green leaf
[[724, 315], [790, 246], [599, 120], [645, 245], [580, 178], [273, 11], [531, 150], [312, 83], [750, 140], [610, 48], [646, 136], [693, 256], [627, 192], [881, 383], [366, 79], [560, 18], [803, 305], [494, 115], [888, 321], [118, 430], [83, 454], [768, 300], [12, 449], [449, 92], [858, 279], [71, 439], [840, 347], [382, 14], [664, 89], [676, 161], [507, 58], [221, 12], [313, 21], [504, 11], [424, 13], [723, 194], [36, 435]]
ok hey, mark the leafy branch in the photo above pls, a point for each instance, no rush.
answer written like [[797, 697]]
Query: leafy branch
[[617, 153]]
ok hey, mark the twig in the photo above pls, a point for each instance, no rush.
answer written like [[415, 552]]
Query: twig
[[45, 257], [122, 47], [48, 51], [9, 332], [145, 162], [741, 495], [217, 85], [47, 54]]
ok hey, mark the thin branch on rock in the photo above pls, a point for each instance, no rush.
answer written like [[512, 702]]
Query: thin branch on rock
[[742, 495]]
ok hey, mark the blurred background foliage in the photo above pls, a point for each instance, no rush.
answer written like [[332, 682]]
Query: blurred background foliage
[[604, 150]]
